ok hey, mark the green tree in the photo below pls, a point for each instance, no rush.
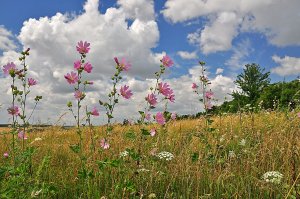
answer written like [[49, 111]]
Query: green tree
[[252, 82]]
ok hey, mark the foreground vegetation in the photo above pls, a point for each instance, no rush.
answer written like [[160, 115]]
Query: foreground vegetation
[[226, 160]]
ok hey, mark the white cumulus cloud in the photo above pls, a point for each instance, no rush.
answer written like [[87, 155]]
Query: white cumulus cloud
[[287, 65]]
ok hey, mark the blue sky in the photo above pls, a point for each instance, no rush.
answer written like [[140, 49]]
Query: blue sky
[[225, 36]]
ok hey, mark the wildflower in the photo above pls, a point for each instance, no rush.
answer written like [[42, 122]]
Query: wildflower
[[209, 94], [298, 114], [88, 67], [173, 116], [153, 132], [160, 118], [194, 86], [164, 89], [148, 116], [123, 65], [79, 95], [38, 139], [72, 78], [104, 144], [77, 64], [208, 105], [242, 142], [171, 97], [83, 48], [31, 82], [14, 110], [274, 177], [22, 136], [6, 155], [95, 112], [164, 155], [151, 99], [166, 61], [231, 154], [125, 92], [9, 69], [124, 154]]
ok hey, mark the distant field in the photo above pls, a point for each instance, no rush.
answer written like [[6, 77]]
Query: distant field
[[228, 162]]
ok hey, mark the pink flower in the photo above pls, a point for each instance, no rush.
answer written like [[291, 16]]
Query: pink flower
[[209, 94], [298, 114], [164, 89], [72, 78], [104, 144], [153, 132], [83, 48], [123, 65], [194, 86], [22, 136], [173, 116], [6, 155], [166, 61], [95, 112], [208, 105], [9, 69], [171, 97], [160, 118], [151, 99], [77, 65], [79, 95], [31, 82], [148, 116], [88, 67], [125, 92], [14, 110]]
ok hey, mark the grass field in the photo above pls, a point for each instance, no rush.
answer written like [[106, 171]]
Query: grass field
[[226, 162]]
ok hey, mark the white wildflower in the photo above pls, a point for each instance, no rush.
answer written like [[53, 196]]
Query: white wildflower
[[143, 170], [164, 155], [274, 177], [124, 154], [242, 142], [231, 154]]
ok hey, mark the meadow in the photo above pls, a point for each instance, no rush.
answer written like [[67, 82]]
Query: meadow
[[228, 162]]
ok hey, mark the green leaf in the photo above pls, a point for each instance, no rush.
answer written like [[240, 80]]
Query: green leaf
[[75, 148]]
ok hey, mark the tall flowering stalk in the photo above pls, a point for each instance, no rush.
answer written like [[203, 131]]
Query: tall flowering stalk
[[19, 98], [75, 78], [160, 89], [205, 95], [113, 97]]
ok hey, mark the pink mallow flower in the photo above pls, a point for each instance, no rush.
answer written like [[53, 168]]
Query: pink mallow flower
[[83, 48], [153, 132], [104, 144], [166, 61], [148, 116], [125, 92], [77, 64], [31, 82], [208, 105], [160, 119], [72, 78], [171, 97], [151, 99], [194, 86], [5, 155], [209, 94], [14, 110], [95, 112], [88, 67], [123, 65], [22, 136], [298, 114], [9, 68], [164, 89], [173, 116], [79, 95]]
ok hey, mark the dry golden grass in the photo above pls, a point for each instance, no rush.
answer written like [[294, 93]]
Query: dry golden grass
[[272, 143]]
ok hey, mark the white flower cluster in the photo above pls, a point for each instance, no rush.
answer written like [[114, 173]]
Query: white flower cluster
[[274, 177], [242, 142], [231, 154], [124, 154], [165, 155]]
